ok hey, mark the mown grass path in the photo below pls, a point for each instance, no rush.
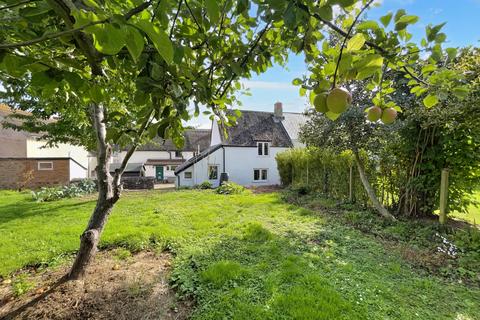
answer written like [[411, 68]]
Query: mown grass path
[[243, 256]]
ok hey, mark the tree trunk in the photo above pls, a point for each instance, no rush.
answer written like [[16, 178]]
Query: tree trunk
[[368, 188], [105, 201]]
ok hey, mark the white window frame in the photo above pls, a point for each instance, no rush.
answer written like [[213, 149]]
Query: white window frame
[[45, 162], [265, 146], [185, 176], [179, 152], [208, 171], [260, 170]]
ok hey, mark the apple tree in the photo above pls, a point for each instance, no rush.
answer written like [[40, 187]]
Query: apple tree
[[121, 72]]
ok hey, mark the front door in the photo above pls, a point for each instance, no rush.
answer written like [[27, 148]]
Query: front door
[[159, 173]]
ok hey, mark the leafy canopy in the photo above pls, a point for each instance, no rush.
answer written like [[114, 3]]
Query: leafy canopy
[[143, 60]]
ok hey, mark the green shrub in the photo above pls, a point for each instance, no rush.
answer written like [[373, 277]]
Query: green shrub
[[205, 185], [309, 170], [80, 188], [229, 187]]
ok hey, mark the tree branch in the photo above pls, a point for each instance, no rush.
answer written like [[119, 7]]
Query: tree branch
[[133, 148], [344, 34], [21, 3], [46, 37], [244, 60], [175, 19], [347, 36]]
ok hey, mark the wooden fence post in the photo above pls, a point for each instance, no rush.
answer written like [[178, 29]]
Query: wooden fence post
[[350, 186], [443, 196]]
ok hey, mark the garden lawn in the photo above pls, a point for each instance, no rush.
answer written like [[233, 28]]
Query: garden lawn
[[473, 212], [243, 256]]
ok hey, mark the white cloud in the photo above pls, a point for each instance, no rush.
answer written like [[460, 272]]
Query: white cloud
[[268, 85]]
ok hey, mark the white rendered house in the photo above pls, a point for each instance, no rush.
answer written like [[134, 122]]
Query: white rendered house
[[159, 158], [246, 151]]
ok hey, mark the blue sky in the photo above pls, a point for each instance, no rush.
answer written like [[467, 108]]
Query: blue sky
[[462, 28]]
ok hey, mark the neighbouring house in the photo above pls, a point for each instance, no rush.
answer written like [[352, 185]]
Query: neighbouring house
[[160, 157], [245, 152], [131, 170], [26, 162]]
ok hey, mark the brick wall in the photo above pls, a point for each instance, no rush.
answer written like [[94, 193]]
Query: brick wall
[[14, 172]]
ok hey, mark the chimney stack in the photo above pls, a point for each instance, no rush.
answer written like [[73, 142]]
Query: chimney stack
[[278, 110]]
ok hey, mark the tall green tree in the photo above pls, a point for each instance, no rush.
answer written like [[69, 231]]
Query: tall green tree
[[121, 72]]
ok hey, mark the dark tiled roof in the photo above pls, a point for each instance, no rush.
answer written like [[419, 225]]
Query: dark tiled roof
[[197, 158], [193, 138], [131, 167], [154, 162], [253, 126]]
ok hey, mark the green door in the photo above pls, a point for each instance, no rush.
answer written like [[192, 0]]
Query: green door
[[159, 173]]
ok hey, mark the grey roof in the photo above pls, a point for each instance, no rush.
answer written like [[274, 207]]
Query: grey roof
[[197, 158], [292, 124], [193, 139], [131, 167], [253, 126]]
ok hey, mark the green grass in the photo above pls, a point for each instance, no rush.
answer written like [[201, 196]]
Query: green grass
[[473, 212], [244, 256]]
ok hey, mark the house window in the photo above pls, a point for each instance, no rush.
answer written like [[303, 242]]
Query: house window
[[45, 165], [212, 172], [173, 168], [178, 154], [260, 175], [262, 148], [187, 175]]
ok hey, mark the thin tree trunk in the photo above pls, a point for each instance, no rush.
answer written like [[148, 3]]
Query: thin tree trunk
[[109, 191], [105, 201], [368, 188]]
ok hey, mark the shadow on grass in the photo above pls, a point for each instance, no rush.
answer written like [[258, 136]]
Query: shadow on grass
[[12, 212], [334, 274], [261, 276]]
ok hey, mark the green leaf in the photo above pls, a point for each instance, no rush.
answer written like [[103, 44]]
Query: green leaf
[[159, 39], [213, 10], [433, 31], [369, 24], [91, 3], [297, 81], [430, 100], [408, 19], [135, 42], [332, 116], [400, 13], [386, 19], [356, 42], [452, 53], [461, 92], [325, 12], [108, 39], [96, 94]]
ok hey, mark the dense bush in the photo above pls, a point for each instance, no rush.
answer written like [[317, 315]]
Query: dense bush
[[80, 188], [229, 187], [205, 185], [320, 170]]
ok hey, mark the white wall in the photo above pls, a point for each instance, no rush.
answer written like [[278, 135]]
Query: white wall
[[215, 137], [76, 171], [35, 149], [239, 164], [241, 161], [199, 170]]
